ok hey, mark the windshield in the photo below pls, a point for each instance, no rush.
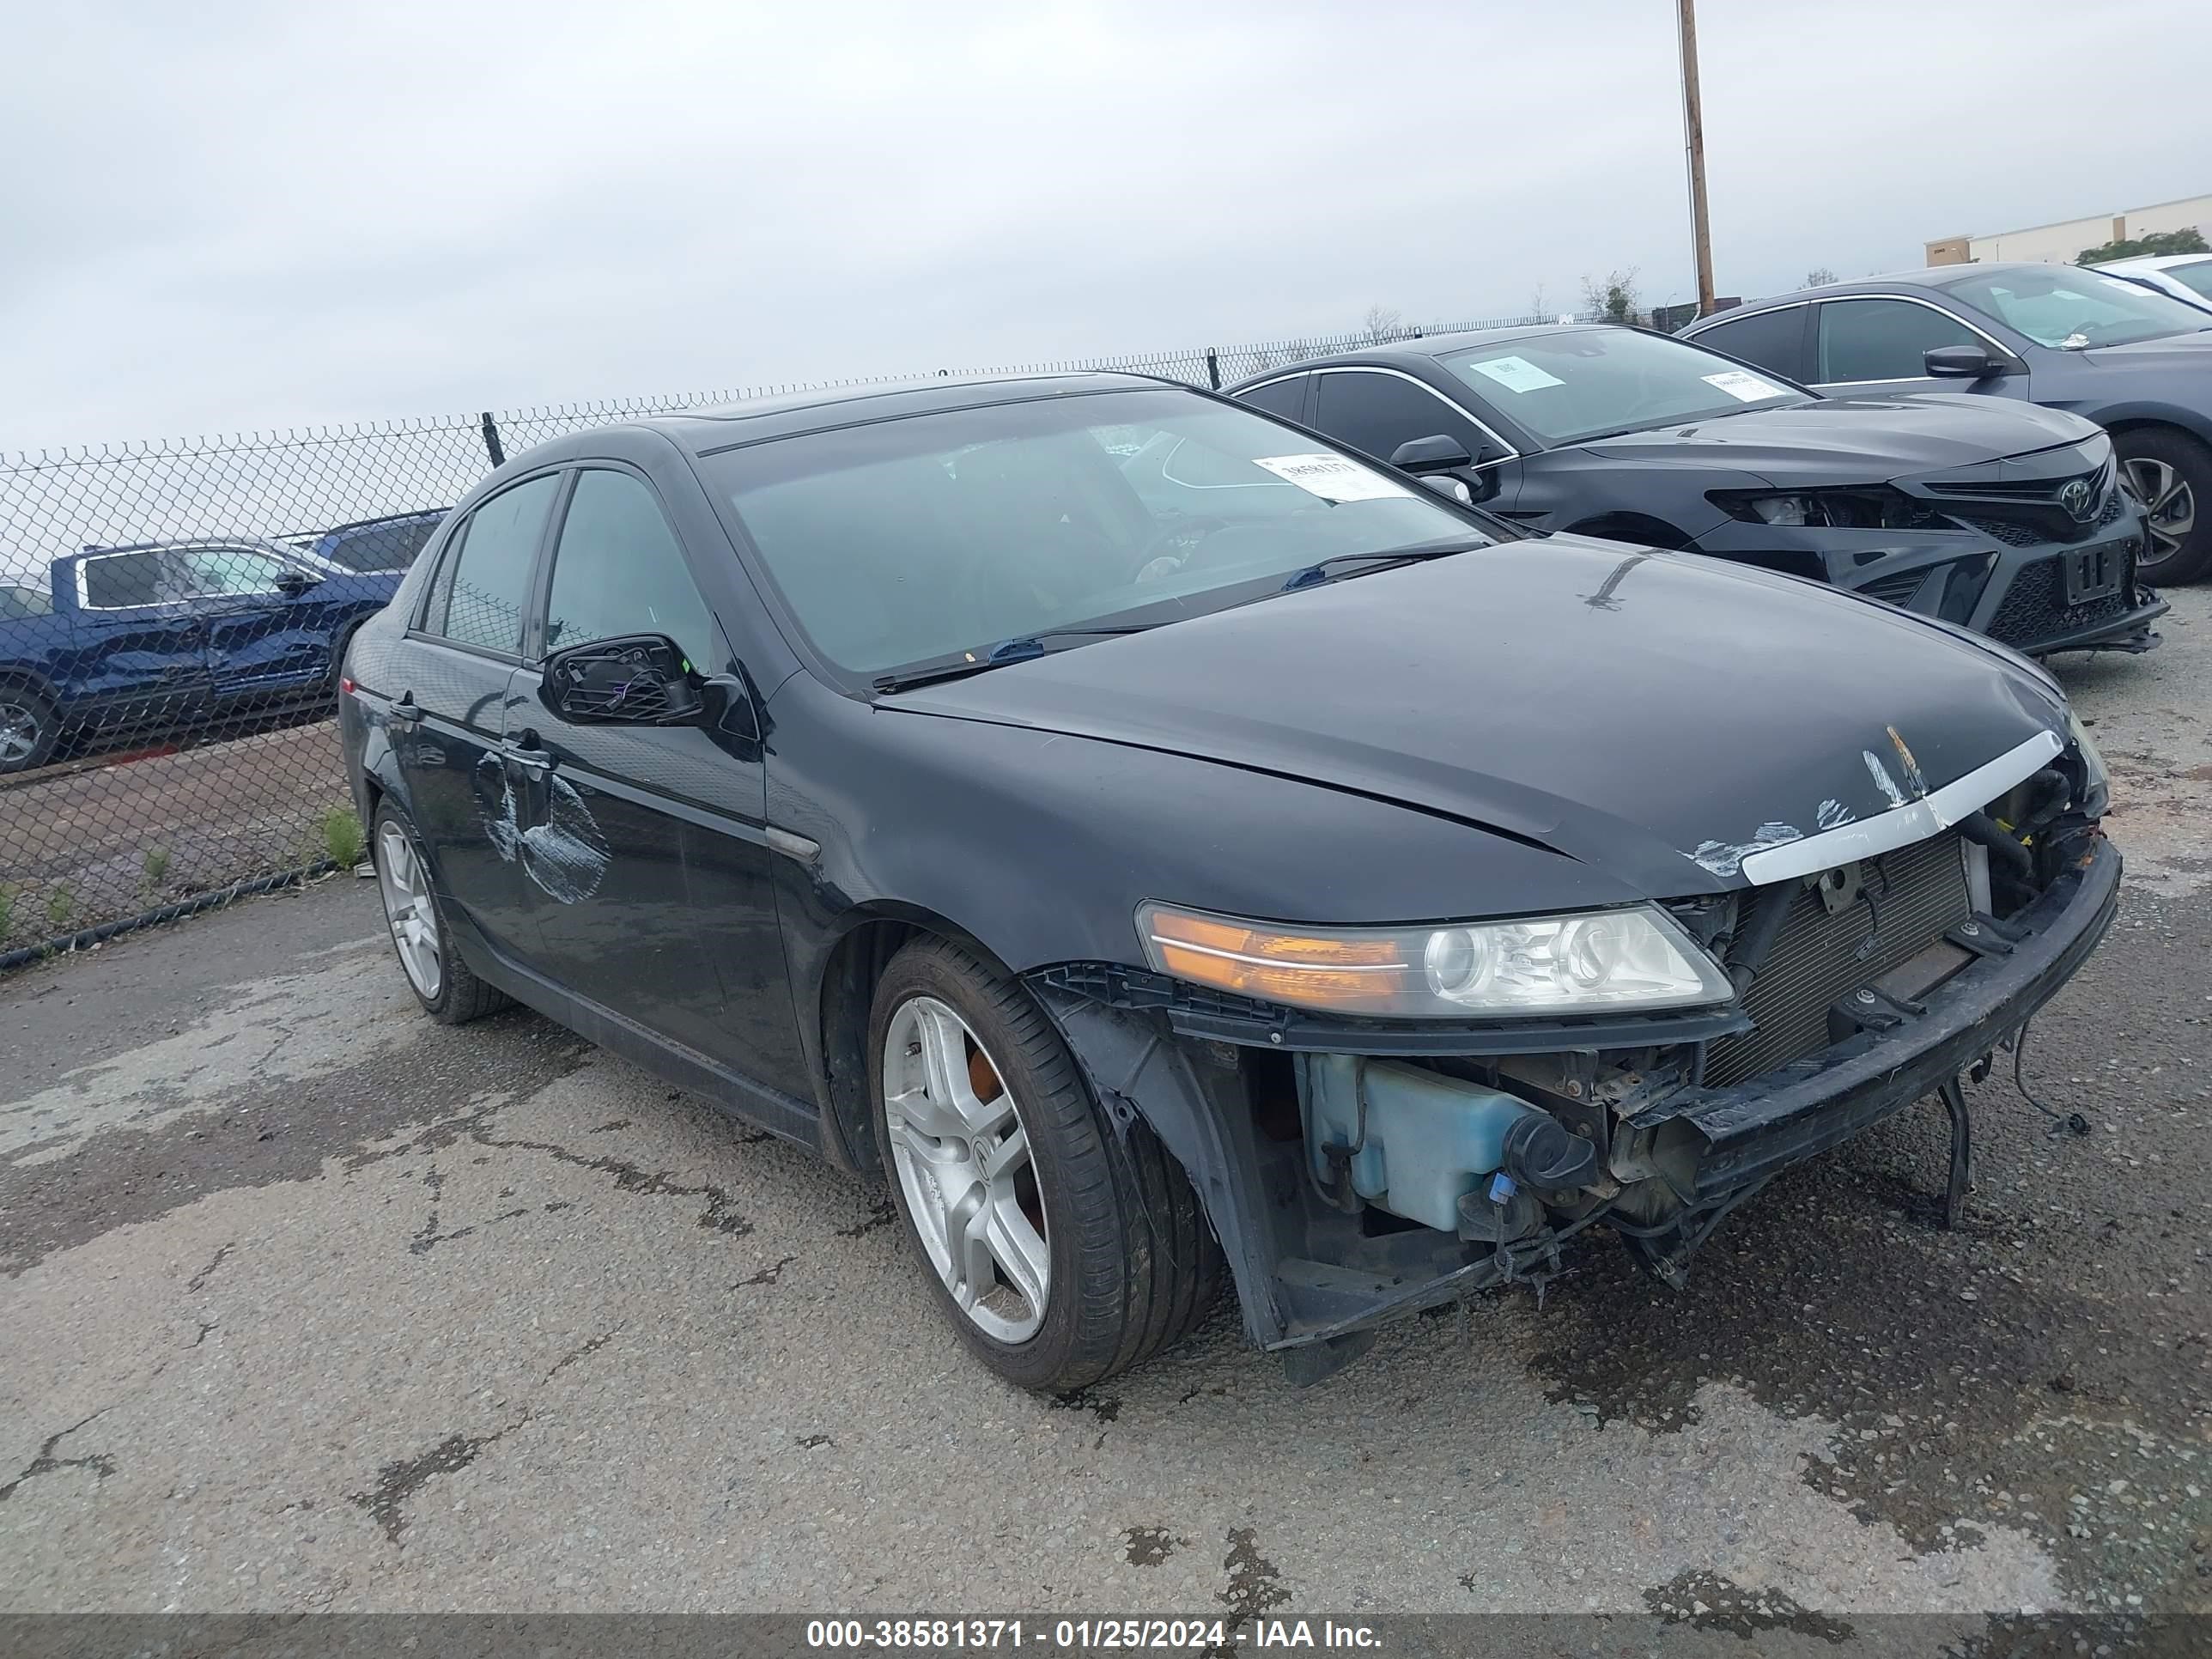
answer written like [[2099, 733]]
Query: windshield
[[2067, 306], [377, 547], [909, 541], [2195, 276], [1585, 383]]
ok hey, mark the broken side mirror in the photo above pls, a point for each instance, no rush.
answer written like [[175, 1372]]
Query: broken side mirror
[[641, 679]]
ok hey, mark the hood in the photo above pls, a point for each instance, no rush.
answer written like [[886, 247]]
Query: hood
[[1654, 714], [2192, 352], [1847, 440]]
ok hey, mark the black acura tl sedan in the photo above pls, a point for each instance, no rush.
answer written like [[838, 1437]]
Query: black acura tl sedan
[[1300, 880], [2004, 517]]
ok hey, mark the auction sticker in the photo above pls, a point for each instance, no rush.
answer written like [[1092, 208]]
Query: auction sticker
[[1332, 477], [1516, 374], [1744, 388]]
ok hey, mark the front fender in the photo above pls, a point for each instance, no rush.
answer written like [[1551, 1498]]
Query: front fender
[[1139, 1071], [2147, 411]]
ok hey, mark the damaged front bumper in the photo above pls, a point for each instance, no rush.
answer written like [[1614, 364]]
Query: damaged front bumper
[[2040, 599], [1749, 1133], [1231, 1090]]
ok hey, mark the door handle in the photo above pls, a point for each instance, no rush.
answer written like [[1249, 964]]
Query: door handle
[[531, 760], [405, 712]]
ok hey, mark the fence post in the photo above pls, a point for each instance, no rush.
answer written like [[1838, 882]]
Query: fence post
[[1214, 368], [491, 441]]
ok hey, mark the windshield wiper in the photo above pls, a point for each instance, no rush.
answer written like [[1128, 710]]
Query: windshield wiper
[[1021, 648], [1315, 574]]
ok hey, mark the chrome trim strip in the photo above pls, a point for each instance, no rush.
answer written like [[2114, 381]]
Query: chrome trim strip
[[1900, 826]]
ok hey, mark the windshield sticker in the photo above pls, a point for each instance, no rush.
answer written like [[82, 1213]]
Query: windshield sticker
[[1744, 388], [1332, 477], [1516, 374]]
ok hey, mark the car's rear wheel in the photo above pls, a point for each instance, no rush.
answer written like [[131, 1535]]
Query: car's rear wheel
[[449, 993], [1064, 1249], [2171, 474], [29, 726]]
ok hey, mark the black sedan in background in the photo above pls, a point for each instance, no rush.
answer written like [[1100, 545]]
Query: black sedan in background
[[2137, 363], [2003, 517], [1290, 877]]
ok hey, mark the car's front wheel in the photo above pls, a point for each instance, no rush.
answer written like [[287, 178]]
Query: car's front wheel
[[448, 991], [1064, 1249], [2171, 474]]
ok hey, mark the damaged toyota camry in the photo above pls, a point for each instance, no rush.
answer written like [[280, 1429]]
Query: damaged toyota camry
[[1258, 869]]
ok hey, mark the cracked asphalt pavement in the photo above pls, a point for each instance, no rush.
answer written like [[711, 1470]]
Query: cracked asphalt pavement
[[311, 1303]]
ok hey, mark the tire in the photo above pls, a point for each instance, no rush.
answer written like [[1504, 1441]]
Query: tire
[[30, 725], [1132, 1264], [2171, 473], [452, 995]]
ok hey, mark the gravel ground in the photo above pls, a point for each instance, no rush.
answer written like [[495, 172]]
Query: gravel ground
[[86, 842], [310, 1303]]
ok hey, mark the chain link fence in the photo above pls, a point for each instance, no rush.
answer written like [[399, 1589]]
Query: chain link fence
[[171, 619]]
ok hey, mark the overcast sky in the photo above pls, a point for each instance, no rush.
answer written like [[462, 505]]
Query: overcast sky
[[225, 216]]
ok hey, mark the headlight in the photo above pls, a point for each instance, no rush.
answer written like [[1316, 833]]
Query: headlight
[[2096, 783], [1874, 506], [1785, 509], [1593, 960]]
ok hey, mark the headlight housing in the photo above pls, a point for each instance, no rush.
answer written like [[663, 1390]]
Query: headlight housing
[[2096, 781], [1874, 506], [1590, 962]]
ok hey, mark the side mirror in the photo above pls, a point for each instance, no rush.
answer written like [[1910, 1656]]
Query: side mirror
[[641, 679], [296, 582], [1437, 454], [1961, 362]]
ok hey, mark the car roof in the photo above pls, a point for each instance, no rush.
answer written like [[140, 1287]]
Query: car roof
[[755, 420], [183, 543], [408, 517], [1933, 277], [2153, 262], [1423, 347]]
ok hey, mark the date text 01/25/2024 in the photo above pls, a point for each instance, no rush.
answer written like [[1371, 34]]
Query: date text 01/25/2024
[[1082, 1635]]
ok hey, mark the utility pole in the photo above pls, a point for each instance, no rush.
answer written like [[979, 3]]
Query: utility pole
[[1693, 137]]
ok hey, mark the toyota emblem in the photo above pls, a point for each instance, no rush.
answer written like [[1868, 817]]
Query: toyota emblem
[[2079, 499]]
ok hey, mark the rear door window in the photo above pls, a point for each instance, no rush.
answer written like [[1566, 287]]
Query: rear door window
[[482, 588], [120, 581], [1876, 339], [1775, 340], [1285, 397]]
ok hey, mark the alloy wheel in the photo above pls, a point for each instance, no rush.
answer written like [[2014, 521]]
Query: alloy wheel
[[19, 734], [963, 1163], [2169, 508], [405, 886]]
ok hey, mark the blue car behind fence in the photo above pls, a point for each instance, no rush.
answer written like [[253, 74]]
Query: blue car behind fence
[[159, 637]]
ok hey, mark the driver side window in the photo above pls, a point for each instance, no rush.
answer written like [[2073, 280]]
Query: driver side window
[[231, 571], [1376, 413], [1883, 339], [619, 570]]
